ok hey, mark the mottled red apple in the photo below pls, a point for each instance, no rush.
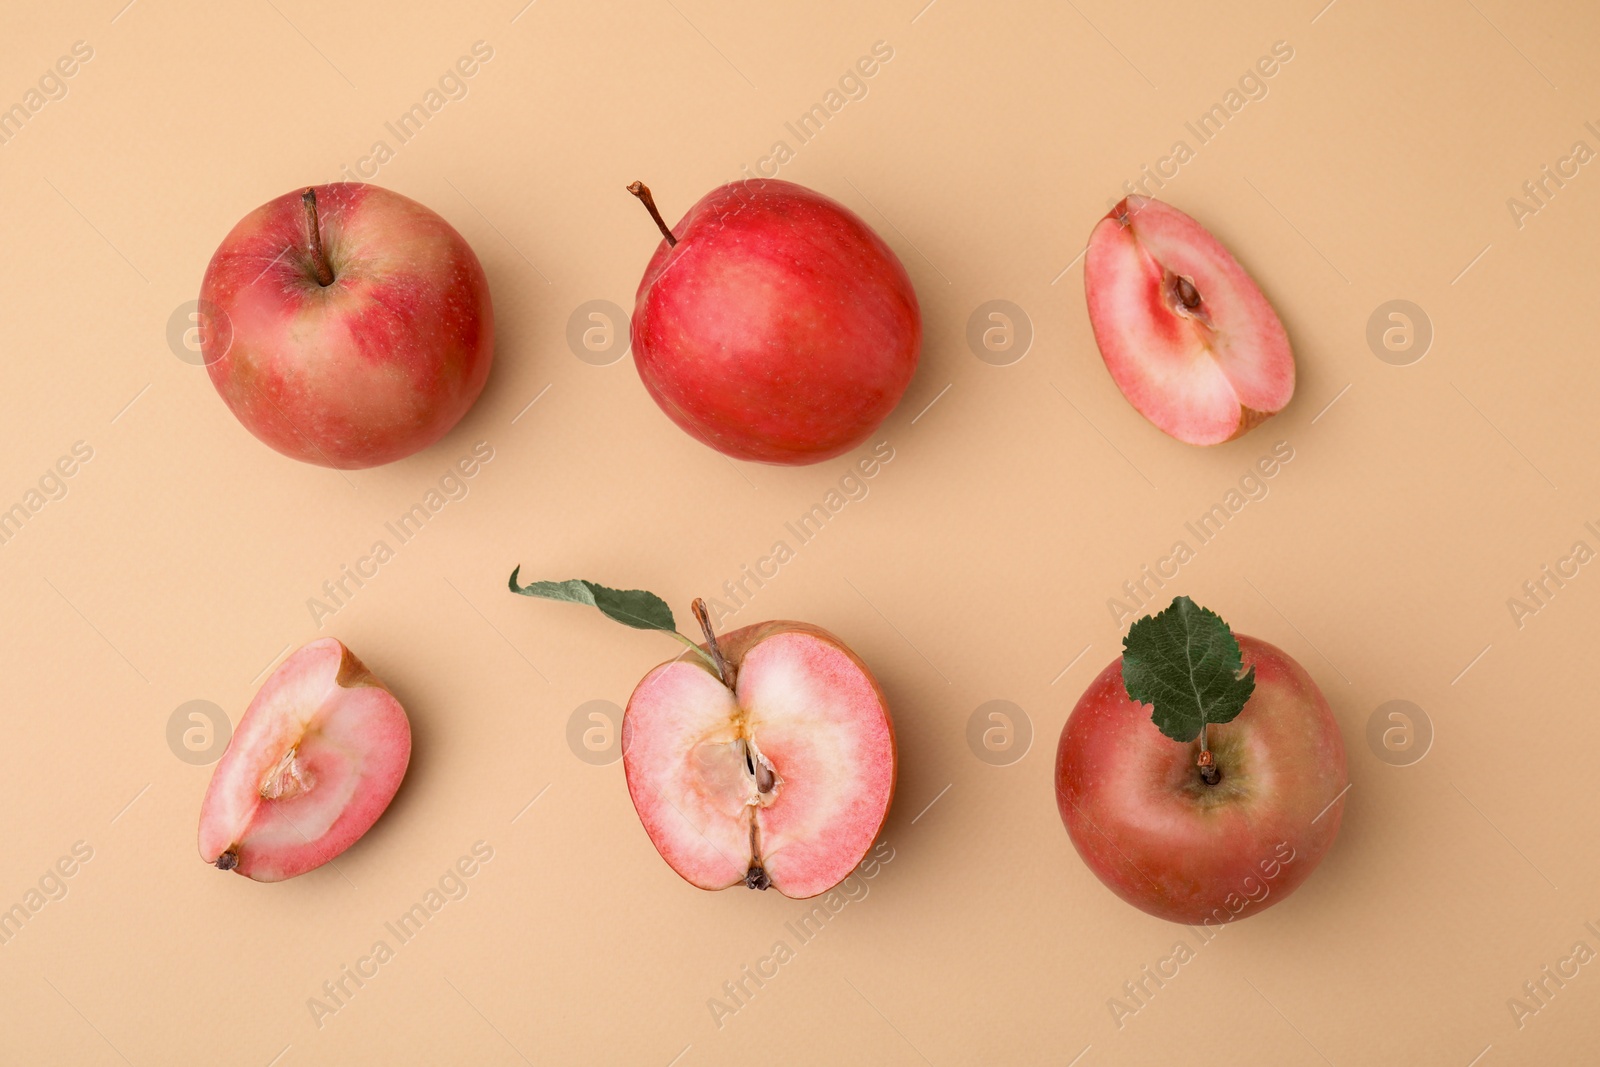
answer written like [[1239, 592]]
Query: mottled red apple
[[1186, 334], [782, 778], [316, 759], [356, 325], [773, 324], [1195, 838]]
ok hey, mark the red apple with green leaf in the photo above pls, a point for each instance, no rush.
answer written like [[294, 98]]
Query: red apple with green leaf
[[1222, 798], [764, 757], [353, 325], [773, 324], [1185, 332]]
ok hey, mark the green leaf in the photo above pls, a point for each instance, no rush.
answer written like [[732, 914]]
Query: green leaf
[[639, 608], [1185, 662]]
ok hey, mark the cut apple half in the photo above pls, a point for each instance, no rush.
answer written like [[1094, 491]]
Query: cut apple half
[[1186, 334], [316, 759], [781, 778]]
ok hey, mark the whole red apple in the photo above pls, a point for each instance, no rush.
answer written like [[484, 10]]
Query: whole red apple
[[358, 326], [773, 324], [1144, 817]]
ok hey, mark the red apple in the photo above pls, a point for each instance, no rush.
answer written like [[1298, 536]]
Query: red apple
[[316, 759], [358, 326], [1149, 825], [1185, 332], [773, 324], [782, 778]]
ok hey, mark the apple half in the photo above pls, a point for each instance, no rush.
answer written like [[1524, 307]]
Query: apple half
[[1186, 334], [316, 759], [780, 778]]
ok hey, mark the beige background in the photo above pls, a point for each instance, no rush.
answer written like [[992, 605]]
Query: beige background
[[178, 565]]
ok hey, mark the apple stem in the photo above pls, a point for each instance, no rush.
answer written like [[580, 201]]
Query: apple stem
[[1209, 774], [704, 619], [319, 258], [642, 191]]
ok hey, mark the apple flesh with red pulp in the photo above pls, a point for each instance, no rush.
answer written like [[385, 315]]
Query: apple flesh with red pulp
[[774, 325], [352, 327], [781, 779], [315, 760], [1167, 842], [1186, 334]]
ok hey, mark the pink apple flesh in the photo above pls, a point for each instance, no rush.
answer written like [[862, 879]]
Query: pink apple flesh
[[373, 367], [1186, 334], [1166, 842], [316, 759], [780, 328], [783, 780]]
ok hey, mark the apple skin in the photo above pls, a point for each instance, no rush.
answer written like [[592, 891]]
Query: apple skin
[[376, 366], [780, 328], [1169, 844]]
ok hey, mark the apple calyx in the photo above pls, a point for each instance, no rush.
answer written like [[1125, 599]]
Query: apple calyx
[[642, 191], [1186, 664], [319, 258]]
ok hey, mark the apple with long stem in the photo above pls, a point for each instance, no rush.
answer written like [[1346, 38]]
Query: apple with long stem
[[1223, 797], [1185, 332], [764, 757], [355, 325], [773, 324]]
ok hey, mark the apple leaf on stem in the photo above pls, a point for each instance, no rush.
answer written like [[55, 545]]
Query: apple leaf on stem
[[1185, 663], [638, 608]]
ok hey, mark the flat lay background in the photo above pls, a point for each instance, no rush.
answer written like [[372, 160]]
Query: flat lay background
[[1432, 475]]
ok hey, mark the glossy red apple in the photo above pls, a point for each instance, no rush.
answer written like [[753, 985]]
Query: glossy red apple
[[782, 779], [1186, 334], [773, 324], [355, 325], [1162, 838], [316, 759]]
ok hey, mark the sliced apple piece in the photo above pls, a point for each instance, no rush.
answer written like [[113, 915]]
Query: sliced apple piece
[[316, 759], [782, 779], [1186, 334]]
